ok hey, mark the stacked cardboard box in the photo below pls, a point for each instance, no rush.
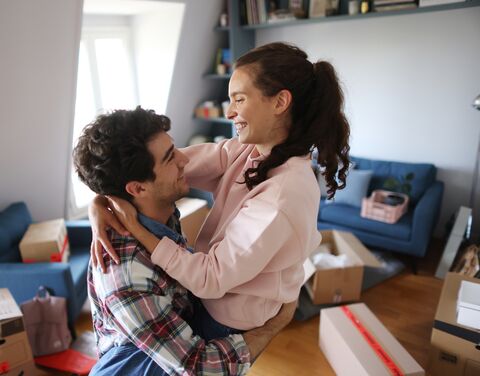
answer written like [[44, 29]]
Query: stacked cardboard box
[[455, 348], [343, 284], [15, 352]]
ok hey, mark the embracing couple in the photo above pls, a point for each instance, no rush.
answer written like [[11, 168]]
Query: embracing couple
[[161, 308]]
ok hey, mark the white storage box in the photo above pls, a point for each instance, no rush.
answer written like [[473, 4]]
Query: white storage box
[[468, 304], [356, 343]]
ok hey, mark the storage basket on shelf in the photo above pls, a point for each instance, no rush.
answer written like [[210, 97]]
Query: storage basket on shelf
[[384, 206]]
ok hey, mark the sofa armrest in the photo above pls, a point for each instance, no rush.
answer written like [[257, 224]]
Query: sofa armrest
[[79, 233], [23, 281], [425, 216]]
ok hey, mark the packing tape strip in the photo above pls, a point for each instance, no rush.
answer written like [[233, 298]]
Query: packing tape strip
[[372, 342]]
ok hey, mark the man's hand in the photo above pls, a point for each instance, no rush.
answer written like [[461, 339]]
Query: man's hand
[[257, 339], [101, 218]]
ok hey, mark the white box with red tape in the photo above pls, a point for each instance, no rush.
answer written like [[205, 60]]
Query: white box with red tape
[[356, 343]]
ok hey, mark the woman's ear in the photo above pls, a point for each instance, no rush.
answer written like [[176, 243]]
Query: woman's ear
[[283, 101], [134, 188]]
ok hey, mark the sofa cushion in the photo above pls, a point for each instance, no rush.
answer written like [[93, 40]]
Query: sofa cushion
[[14, 221], [425, 174], [355, 190], [349, 216]]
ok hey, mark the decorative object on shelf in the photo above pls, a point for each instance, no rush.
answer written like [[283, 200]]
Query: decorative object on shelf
[[365, 6], [402, 185], [322, 8], [353, 7], [385, 206], [208, 110], [223, 20], [298, 8], [223, 61]]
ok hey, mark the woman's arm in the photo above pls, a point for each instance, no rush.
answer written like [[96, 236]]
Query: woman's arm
[[207, 164], [252, 239], [113, 212]]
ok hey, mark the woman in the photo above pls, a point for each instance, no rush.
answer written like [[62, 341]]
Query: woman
[[250, 251]]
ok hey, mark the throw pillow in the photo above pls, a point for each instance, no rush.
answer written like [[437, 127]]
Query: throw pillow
[[323, 184], [356, 188]]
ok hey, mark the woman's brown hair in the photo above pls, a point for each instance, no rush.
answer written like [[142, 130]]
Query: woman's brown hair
[[317, 117]]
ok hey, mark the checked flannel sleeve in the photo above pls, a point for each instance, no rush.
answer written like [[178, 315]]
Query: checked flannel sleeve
[[140, 305]]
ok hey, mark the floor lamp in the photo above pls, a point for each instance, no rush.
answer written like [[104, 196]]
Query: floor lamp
[[473, 194]]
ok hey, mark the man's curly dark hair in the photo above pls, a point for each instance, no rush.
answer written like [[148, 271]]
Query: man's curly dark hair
[[113, 150]]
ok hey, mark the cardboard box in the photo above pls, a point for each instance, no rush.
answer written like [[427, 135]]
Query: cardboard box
[[15, 349], [45, 242], [356, 343], [26, 369], [193, 212], [468, 305], [337, 285], [455, 348]]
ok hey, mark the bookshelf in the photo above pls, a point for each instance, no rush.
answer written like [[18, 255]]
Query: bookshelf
[[344, 16], [239, 41], [241, 38]]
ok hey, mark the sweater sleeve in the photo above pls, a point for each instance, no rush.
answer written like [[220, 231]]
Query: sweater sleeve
[[253, 238], [207, 165]]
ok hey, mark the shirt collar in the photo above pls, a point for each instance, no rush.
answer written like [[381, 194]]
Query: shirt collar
[[160, 230]]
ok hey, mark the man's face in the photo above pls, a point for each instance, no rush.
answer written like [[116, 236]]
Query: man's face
[[169, 184]]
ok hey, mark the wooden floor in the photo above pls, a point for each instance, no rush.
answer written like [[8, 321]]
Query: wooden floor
[[405, 304]]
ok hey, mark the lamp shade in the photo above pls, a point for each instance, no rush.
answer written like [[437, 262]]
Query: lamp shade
[[476, 102]]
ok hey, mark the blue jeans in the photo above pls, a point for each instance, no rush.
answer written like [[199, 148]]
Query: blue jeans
[[126, 360], [205, 325]]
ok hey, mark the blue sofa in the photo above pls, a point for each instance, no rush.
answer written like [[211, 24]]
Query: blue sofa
[[412, 233], [63, 279]]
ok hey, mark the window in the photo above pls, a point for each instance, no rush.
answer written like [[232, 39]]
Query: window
[[106, 81], [126, 58]]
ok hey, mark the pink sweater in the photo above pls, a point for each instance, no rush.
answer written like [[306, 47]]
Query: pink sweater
[[250, 251]]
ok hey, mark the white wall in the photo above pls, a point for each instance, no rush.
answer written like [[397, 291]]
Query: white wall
[[196, 53], [156, 37], [409, 83], [38, 60]]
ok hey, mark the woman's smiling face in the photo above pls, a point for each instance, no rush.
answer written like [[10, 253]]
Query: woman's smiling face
[[255, 116]]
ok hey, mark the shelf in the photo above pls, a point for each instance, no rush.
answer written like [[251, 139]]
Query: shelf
[[215, 120], [222, 28], [345, 17], [214, 76]]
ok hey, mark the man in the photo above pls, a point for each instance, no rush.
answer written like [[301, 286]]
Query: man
[[138, 311]]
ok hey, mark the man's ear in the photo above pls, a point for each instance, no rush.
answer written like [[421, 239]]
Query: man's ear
[[135, 188], [283, 101]]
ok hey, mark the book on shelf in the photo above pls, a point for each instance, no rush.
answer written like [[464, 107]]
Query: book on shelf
[[255, 12], [429, 3], [393, 6], [390, 2]]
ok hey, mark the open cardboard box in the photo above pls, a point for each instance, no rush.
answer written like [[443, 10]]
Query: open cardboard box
[[337, 285], [455, 349]]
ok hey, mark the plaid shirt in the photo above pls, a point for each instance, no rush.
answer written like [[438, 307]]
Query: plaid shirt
[[137, 302]]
